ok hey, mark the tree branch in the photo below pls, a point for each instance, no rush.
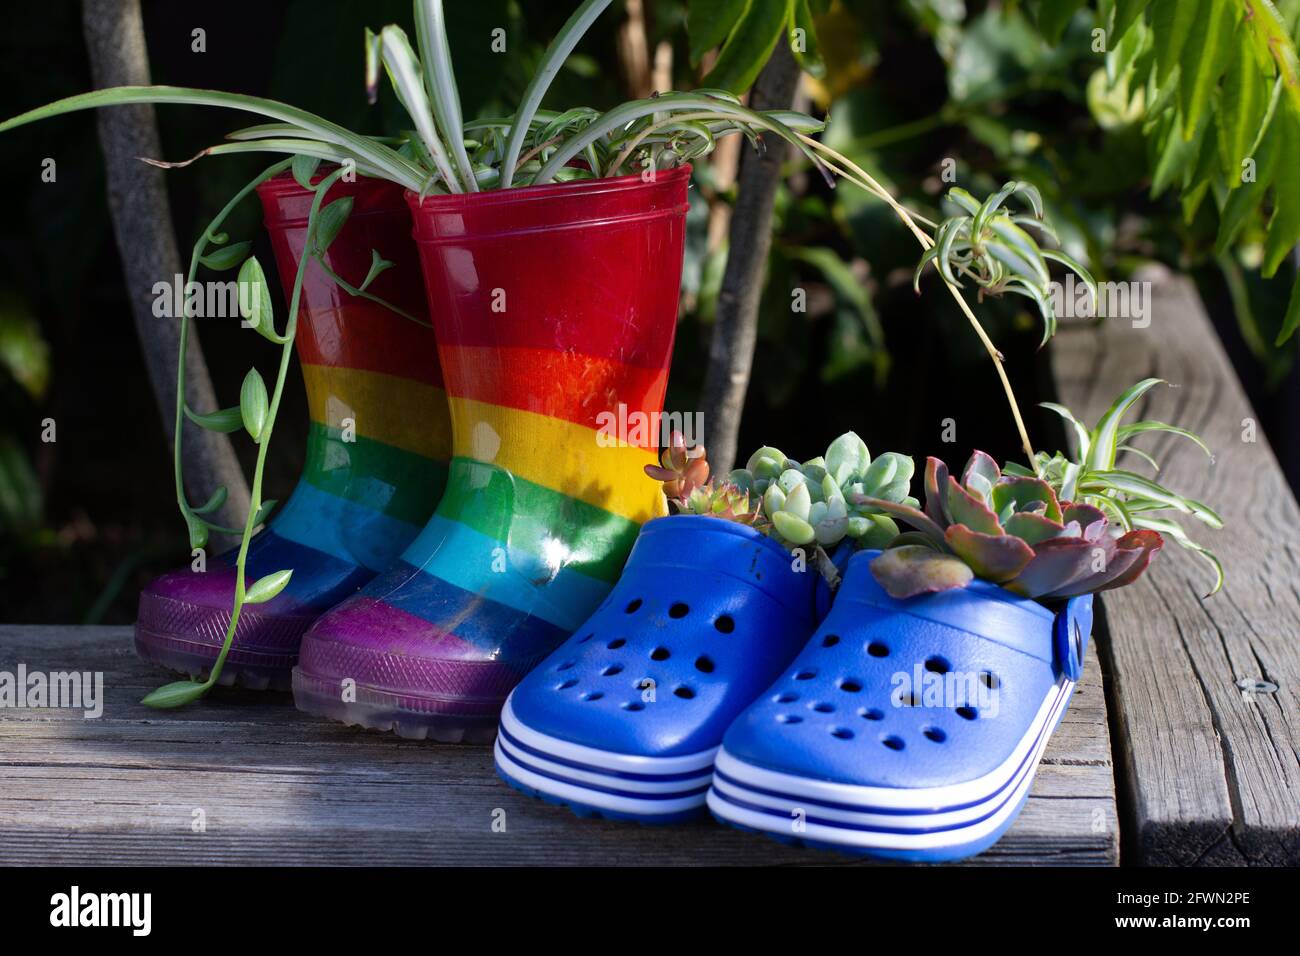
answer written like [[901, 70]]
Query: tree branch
[[735, 330], [137, 200]]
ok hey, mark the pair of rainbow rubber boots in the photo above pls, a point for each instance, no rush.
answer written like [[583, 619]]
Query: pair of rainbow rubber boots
[[465, 502]]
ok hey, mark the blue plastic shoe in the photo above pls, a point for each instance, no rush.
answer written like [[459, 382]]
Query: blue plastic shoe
[[624, 719], [906, 729]]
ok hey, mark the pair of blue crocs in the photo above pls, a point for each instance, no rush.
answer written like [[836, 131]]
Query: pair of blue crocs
[[908, 729]]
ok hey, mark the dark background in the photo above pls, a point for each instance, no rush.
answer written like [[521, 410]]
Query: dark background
[[105, 518]]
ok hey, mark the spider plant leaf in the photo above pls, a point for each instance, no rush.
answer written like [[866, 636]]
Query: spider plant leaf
[[1022, 242], [1140, 454], [1137, 487], [1042, 225], [1137, 428], [1081, 437], [294, 147], [1105, 436], [1019, 286], [440, 83], [378, 265], [265, 131], [374, 62], [383, 159], [1172, 529], [926, 258], [1071, 263], [407, 77], [801, 28], [552, 60], [963, 200], [951, 231], [620, 116]]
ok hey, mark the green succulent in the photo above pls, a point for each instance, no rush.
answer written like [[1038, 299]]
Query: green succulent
[[988, 244], [1008, 529], [814, 502], [1130, 500]]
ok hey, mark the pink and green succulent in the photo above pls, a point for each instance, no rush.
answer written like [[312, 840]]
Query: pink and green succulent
[[1008, 529]]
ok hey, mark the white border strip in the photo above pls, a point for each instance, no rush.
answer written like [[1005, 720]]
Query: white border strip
[[605, 759], [594, 798], [919, 798], [599, 779]]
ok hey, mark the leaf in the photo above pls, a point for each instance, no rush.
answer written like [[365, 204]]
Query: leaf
[[226, 257], [1022, 493], [1137, 428], [1292, 319], [1054, 16], [406, 75], [253, 404], [267, 587], [1205, 55], [1245, 100], [217, 499], [749, 45], [803, 33], [982, 465], [994, 557], [1284, 226], [1126, 14], [255, 299], [264, 512], [304, 168], [905, 513], [913, 569], [793, 528], [226, 420], [176, 694], [1105, 437], [708, 22], [1171, 24], [440, 83], [198, 531], [966, 509], [846, 457], [1271, 38], [1174, 530], [1082, 439], [378, 264], [1138, 487], [330, 220]]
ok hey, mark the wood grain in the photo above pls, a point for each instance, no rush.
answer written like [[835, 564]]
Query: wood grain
[[1207, 774], [279, 787]]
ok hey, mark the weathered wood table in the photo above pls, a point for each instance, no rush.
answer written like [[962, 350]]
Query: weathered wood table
[[1203, 772]]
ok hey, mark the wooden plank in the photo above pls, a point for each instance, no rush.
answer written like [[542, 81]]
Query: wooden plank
[[1211, 775], [277, 786]]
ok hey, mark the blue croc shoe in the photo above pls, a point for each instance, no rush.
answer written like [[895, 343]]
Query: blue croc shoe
[[624, 719], [905, 729]]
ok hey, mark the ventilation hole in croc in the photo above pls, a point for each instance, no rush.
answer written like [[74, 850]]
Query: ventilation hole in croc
[[877, 649], [850, 686], [634, 705], [566, 665], [990, 680], [872, 713], [566, 684], [704, 665], [725, 623], [909, 700], [843, 733], [786, 698], [823, 708], [935, 734], [967, 713], [659, 654], [805, 675], [937, 665], [789, 718], [611, 670], [893, 743], [593, 695], [616, 643], [830, 640], [684, 692], [678, 610], [633, 606], [584, 640]]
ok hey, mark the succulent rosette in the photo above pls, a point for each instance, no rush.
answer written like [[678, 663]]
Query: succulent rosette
[[1008, 529]]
